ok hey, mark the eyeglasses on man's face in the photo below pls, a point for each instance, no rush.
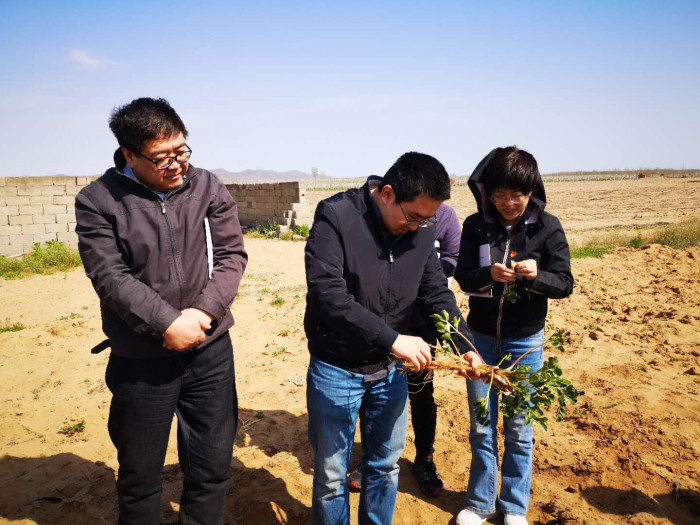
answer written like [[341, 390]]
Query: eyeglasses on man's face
[[165, 162], [421, 223]]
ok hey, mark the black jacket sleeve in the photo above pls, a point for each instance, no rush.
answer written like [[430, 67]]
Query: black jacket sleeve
[[328, 294], [230, 258], [434, 296], [554, 278], [135, 302], [471, 277]]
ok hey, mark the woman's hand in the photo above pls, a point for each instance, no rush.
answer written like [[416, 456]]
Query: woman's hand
[[502, 274], [473, 360], [527, 268]]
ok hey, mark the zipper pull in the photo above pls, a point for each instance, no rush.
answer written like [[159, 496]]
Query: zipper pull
[[391, 256], [162, 207]]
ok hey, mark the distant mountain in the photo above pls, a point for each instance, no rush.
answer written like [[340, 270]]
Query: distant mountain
[[248, 176]]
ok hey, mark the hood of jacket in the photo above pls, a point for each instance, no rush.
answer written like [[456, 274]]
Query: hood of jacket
[[538, 199]]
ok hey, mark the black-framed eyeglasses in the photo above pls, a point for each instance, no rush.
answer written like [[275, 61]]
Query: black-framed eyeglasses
[[166, 162], [421, 223]]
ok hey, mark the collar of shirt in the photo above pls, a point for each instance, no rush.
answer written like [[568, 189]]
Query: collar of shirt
[[130, 173]]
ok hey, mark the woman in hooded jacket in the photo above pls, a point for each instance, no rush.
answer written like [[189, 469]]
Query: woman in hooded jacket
[[511, 242]]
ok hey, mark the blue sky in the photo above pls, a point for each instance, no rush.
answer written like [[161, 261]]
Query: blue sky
[[348, 87]]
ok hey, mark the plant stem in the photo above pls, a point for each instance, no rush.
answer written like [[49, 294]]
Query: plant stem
[[531, 349], [469, 343]]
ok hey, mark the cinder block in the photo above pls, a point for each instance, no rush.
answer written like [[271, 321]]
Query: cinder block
[[43, 199], [44, 237], [69, 237], [73, 190], [81, 181], [21, 239], [28, 181], [65, 217], [31, 210], [63, 181], [298, 206], [71, 226], [68, 200], [2, 202], [44, 219], [4, 239], [10, 249], [4, 220], [27, 247], [57, 228], [21, 219], [92, 178], [8, 191], [33, 228], [55, 209], [29, 190], [16, 201], [11, 230], [54, 190], [9, 210]]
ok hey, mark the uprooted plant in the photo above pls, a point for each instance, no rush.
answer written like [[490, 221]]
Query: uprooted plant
[[519, 389]]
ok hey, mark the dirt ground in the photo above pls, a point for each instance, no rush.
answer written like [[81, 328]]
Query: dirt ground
[[588, 208], [628, 453]]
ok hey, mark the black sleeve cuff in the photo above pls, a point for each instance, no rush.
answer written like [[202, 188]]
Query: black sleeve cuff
[[386, 338]]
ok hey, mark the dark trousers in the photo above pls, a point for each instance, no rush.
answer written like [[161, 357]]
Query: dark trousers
[[423, 412], [200, 388]]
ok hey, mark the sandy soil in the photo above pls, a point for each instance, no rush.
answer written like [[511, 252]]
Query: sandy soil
[[629, 453]]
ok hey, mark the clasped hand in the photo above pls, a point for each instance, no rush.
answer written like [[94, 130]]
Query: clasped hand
[[187, 331]]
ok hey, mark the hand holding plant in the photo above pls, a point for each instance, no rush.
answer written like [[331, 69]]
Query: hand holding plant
[[520, 390]]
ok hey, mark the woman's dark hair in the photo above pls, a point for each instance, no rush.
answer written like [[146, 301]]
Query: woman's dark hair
[[415, 174], [144, 119], [513, 169]]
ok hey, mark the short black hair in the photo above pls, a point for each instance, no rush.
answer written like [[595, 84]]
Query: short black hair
[[144, 119], [415, 174], [511, 168]]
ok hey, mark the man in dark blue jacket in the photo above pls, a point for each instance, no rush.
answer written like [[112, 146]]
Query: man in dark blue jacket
[[421, 390], [370, 259]]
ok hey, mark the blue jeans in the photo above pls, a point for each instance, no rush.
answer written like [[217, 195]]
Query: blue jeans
[[516, 472], [334, 398], [199, 386]]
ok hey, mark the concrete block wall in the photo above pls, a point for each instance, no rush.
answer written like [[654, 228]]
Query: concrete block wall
[[37, 209], [41, 209], [284, 202]]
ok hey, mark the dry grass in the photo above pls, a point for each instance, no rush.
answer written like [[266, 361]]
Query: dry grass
[[682, 235]]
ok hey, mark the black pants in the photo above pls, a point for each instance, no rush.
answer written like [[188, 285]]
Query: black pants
[[200, 388], [423, 412]]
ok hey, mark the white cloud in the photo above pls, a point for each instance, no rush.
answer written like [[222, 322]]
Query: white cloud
[[87, 61]]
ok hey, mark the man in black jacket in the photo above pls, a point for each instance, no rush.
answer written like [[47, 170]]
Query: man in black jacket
[[161, 242], [370, 261]]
